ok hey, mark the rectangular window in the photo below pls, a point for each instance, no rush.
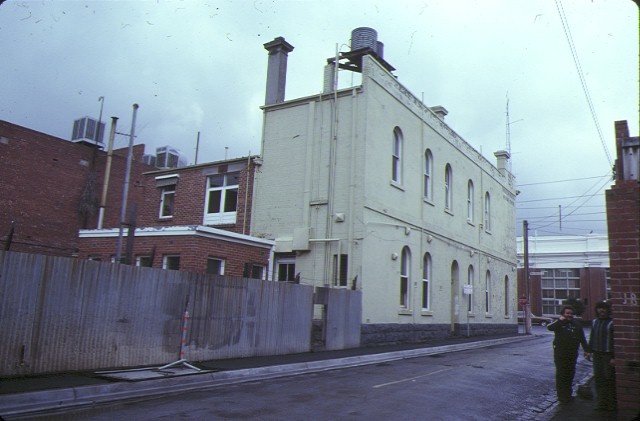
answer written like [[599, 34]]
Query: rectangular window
[[253, 271], [559, 285], [171, 262], [168, 194], [340, 270], [215, 266], [144, 261], [221, 202], [285, 268]]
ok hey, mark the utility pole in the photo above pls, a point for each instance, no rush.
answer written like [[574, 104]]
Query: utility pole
[[125, 190], [527, 305]]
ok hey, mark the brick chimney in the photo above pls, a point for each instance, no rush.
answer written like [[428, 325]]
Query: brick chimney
[[277, 69]]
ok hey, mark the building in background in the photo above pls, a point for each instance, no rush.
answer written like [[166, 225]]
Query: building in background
[[367, 188], [192, 218], [51, 187], [623, 220], [564, 267]]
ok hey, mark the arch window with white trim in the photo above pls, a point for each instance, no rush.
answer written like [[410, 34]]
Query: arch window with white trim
[[487, 292], [405, 265], [470, 202], [506, 296], [470, 274], [396, 156], [428, 178], [448, 188], [487, 212], [426, 276]]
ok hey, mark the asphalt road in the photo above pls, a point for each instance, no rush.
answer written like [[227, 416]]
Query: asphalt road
[[496, 383]]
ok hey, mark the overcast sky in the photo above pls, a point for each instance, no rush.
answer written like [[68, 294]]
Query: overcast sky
[[200, 66]]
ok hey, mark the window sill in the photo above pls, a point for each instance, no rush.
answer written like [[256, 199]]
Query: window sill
[[427, 313], [488, 316], [470, 222], [396, 185], [405, 312], [448, 211], [428, 201]]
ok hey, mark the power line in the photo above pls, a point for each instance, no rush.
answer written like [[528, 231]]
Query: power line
[[585, 89], [564, 181]]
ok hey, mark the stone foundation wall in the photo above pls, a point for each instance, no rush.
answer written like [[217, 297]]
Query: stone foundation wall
[[393, 333]]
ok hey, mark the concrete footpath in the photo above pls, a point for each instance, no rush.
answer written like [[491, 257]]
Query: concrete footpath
[[21, 397]]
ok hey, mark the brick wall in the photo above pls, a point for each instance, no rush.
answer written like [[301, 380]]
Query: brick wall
[[189, 205], [623, 215], [43, 182], [193, 251]]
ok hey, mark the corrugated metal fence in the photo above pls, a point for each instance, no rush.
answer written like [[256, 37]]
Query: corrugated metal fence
[[62, 314]]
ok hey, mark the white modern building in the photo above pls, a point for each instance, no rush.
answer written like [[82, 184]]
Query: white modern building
[[367, 188]]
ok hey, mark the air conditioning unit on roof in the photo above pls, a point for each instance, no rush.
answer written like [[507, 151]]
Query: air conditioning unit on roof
[[87, 130]]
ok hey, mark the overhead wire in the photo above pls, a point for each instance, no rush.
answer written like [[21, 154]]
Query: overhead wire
[[583, 82]]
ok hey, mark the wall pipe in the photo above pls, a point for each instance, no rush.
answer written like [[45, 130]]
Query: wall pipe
[[107, 172]]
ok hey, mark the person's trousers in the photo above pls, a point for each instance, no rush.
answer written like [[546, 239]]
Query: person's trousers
[[565, 361], [604, 375]]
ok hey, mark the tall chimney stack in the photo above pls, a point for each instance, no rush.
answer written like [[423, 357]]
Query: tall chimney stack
[[277, 69]]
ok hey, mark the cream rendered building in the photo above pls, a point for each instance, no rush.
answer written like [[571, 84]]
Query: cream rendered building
[[367, 188]]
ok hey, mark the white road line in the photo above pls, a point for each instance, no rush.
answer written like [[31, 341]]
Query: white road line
[[411, 378]]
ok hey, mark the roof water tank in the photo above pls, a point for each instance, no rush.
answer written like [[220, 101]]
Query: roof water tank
[[364, 37]]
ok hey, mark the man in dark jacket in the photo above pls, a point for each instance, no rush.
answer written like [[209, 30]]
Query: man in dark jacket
[[569, 335], [601, 344]]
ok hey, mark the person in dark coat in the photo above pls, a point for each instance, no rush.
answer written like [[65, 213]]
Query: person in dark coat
[[601, 344], [569, 335]]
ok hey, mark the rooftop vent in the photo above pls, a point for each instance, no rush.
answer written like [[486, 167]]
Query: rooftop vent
[[85, 130], [169, 157]]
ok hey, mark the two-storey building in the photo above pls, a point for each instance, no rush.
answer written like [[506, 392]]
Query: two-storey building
[[368, 188]]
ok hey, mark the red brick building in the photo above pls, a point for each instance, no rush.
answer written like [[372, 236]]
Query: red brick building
[[623, 215], [193, 218], [50, 188]]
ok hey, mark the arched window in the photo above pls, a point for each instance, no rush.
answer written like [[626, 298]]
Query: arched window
[[428, 171], [426, 276], [470, 201], [448, 188], [396, 156], [487, 212], [405, 265], [506, 296], [470, 282], [487, 292]]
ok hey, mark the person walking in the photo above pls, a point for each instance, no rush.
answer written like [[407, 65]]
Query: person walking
[[568, 337], [601, 345]]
